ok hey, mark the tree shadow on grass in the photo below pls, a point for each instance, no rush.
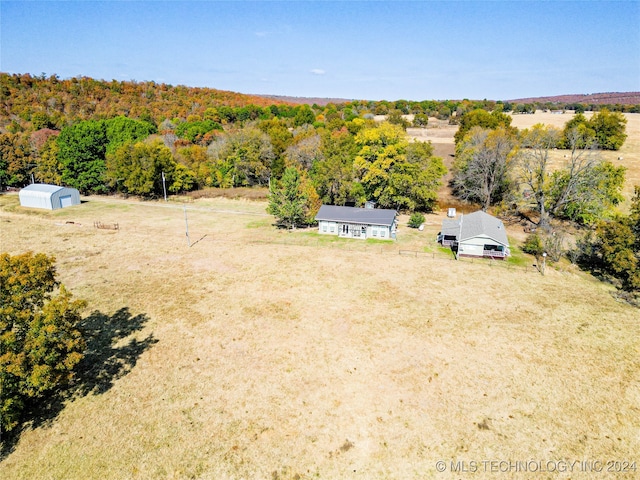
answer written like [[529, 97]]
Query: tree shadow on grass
[[112, 352]]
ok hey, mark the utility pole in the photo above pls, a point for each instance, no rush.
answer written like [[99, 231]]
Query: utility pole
[[164, 187], [186, 222]]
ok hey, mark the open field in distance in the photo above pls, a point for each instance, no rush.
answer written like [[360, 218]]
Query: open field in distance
[[440, 133], [258, 353]]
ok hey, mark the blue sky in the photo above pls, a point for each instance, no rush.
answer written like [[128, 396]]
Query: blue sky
[[416, 50]]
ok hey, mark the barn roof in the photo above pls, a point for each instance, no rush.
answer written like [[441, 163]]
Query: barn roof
[[42, 188], [369, 216]]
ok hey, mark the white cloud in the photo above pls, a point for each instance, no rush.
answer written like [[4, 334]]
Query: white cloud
[[318, 71]]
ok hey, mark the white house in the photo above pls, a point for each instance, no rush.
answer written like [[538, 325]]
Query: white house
[[353, 222], [50, 197], [477, 234]]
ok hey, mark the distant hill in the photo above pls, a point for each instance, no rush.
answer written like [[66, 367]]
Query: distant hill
[[305, 100], [611, 98]]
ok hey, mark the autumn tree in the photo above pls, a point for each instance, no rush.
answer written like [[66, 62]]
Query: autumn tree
[[241, 158], [305, 152], [293, 200], [40, 340], [281, 138], [394, 174], [48, 168], [194, 158], [484, 159], [16, 162]]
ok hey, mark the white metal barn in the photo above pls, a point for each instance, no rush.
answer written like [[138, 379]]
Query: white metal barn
[[50, 197]]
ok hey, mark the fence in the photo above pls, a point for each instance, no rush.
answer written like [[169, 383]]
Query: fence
[[392, 249]]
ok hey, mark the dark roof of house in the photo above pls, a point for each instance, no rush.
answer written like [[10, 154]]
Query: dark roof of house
[[475, 224], [369, 216]]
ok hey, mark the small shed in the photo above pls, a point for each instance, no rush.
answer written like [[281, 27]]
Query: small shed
[[353, 222], [50, 197]]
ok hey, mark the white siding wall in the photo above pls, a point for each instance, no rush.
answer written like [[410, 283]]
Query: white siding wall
[[475, 246], [326, 227], [72, 192]]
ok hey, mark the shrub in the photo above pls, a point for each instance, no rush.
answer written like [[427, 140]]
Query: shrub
[[533, 245], [416, 220]]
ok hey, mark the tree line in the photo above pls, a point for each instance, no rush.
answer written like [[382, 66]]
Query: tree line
[[496, 164], [345, 161]]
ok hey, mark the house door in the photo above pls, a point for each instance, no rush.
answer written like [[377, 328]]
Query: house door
[[65, 201]]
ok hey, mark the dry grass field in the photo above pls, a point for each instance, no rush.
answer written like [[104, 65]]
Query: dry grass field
[[264, 354], [440, 133]]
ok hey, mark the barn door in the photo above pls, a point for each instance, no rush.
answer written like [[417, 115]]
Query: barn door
[[65, 201]]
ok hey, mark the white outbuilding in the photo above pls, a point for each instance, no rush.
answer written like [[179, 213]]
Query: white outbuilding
[[50, 197]]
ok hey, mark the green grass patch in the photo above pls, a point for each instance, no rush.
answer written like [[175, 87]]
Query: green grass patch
[[519, 259], [262, 223]]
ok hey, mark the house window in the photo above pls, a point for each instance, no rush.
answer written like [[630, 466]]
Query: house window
[[324, 227], [383, 232], [332, 228], [374, 232]]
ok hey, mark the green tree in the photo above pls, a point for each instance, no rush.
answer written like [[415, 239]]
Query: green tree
[[292, 199], [304, 116], [137, 169], [395, 117], [40, 342], [579, 127], [615, 245], [332, 171], [81, 152], [609, 128], [420, 120], [416, 220], [197, 131], [121, 130], [586, 194], [484, 119]]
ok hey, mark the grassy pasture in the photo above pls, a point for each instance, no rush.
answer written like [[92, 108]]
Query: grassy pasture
[[440, 133], [258, 353]]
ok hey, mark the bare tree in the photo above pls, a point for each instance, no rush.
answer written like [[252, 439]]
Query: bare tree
[[481, 173], [534, 167], [582, 189]]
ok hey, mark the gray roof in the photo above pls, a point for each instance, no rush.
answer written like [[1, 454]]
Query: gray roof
[[368, 216], [451, 226], [475, 224], [42, 187]]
